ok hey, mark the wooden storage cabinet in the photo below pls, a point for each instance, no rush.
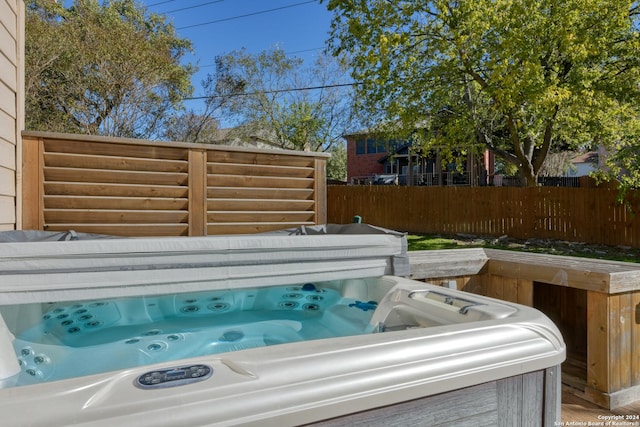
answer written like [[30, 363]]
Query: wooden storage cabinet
[[594, 303]]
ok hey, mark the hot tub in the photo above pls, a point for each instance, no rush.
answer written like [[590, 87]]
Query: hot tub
[[270, 330]]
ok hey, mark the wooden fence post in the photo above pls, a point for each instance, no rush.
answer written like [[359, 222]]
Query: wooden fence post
[[32, 183], [197, 192], [598, 346], [320, 191]]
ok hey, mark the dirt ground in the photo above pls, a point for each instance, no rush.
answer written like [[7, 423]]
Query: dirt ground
[[556, 247]]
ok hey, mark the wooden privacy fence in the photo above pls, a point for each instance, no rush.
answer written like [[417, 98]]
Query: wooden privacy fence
[[574, 214], [130, 187]]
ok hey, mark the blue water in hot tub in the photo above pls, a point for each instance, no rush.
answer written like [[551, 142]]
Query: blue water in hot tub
[[88, 337]]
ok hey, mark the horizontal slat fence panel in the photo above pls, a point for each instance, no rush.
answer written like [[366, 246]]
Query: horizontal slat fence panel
[[114, 163], [591, 215], [129, 230], [259, 158], [112, 216], [143, 188], [261, 216], [114, 176], [261, 193], [248, 192], [271, 204], [98, 147], [262, 170], [121, 203], [115, 190], [216, 180], [248, 227]]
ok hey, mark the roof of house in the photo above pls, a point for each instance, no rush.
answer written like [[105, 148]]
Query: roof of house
[[402, 147], [588, 157]]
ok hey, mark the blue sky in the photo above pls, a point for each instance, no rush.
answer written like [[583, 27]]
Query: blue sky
[[216, 27], [299, 27]]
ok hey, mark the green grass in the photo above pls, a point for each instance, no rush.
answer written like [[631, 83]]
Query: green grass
[[425, 242]]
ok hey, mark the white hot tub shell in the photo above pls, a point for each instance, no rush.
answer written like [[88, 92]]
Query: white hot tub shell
[[434, 356]]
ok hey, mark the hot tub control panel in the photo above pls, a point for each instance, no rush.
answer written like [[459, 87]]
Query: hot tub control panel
[[173, 377]]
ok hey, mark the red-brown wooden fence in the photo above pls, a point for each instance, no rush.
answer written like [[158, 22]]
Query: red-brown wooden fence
[[591, 215]]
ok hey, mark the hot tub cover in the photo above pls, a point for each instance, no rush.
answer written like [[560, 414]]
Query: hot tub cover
[[41, 270]]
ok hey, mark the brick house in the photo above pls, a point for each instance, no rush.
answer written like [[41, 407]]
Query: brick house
[[372, 160]]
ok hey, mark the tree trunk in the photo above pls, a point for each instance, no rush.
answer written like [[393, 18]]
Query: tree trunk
[[527, 177]]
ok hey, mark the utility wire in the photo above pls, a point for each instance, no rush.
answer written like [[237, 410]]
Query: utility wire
[[162, 2], [303, 50], [193, 7], [295, 89], [247, 15]]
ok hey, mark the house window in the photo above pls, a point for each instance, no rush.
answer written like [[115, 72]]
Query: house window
[[389, 168], [372, 146], [376, 146]]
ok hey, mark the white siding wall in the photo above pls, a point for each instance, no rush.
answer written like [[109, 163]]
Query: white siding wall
[[11, 107]]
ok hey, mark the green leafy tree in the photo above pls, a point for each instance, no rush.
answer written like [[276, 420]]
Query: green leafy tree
[[337, 164], [285, 103], [191, 126], [519, 77], [222, 91], [105, 68]]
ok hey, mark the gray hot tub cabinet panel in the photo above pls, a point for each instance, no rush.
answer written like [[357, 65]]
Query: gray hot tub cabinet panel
[[527, 400]]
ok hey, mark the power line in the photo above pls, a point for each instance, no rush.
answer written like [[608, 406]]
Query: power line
[[303, 50], [193, 7], [295, 89], [247, 15], [162, 2]]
